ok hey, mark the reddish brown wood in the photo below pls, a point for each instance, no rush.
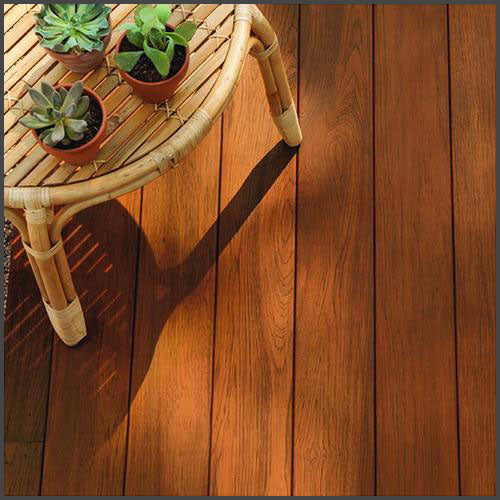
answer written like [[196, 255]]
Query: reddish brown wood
[[172, 369], [22, 467], [251, 430], [472, 63], [88, 405], [252, 408], [415, 338], [334, 432], [27, 348], [28, 343]]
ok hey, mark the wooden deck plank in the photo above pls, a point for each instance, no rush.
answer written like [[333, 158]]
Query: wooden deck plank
[[334, 430], [472, 62], [415, 341], [88, 408], [28, 343], [23, 468], [172, 367], [252, 408]]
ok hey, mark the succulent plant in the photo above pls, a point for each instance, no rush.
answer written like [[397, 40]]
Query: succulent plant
[[59, 114], [149, 34], [72, 27]]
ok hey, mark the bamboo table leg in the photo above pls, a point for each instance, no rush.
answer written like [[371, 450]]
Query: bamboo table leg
[[265, 48], [50, 267]]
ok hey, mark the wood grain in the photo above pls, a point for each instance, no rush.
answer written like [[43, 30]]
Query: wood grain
[[28, 345], [415, 343], [472, 62], [87, 418], [23, 468], [430, 207], [252, 407], [334, 431], [172, 368]]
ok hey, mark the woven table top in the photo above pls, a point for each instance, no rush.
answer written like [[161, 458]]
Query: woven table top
[[135, 128]]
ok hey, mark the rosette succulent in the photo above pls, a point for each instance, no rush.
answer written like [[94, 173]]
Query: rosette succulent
[[59, 114], [75, 28], [151, 37]]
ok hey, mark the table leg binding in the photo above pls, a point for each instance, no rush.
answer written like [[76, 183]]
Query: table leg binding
[[69, 322], [51, 252], [288, 124], [265, 54]]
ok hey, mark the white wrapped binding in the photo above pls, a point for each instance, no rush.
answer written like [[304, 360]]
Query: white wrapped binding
[[69, 322]]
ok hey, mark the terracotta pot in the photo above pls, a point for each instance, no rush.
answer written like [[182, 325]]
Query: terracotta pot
[[85, 62], [86, 153], [155, 91]]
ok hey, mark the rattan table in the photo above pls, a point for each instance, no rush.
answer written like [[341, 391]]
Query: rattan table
[[143, 140]]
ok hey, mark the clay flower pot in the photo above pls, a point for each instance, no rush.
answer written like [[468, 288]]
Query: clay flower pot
[[89, 151], [155, 92], [84, 62]]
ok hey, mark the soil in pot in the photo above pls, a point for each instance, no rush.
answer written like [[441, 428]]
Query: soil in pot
[[94, 121], [145, 70]]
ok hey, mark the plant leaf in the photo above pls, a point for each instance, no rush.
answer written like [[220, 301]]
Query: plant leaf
[[57, 100], [186, 30], [69, 112], [71, 8], [127, 60], [163, 12], [84, 42], [48, 138], [43, 118], [177, 39], [137, 12], [39, 99], [56, 44], [52, 19], [44, 133], [160, 59], [135, 37], [74, 94], [63, 93], [82, 107], [47, 90], [158, 39], [170, 51], [74, 136], [77, 126], [58, 133], [89, 12], [31, 122], [127, 27], [149, 19], [60, 10]]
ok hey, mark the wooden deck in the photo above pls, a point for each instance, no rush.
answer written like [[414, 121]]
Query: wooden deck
[[269, 321]]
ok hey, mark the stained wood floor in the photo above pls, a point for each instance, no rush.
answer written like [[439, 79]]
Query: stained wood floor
[[269, 321]]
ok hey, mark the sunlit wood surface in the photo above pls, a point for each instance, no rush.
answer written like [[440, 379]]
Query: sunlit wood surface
[[268, 321]]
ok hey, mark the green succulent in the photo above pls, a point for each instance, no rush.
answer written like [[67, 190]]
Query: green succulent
[[150, 35], [59, 114], [72, 27]]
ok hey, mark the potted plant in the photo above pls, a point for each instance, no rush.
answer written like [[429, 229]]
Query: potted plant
[[74, 34], [69, 122], [153, 56]]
